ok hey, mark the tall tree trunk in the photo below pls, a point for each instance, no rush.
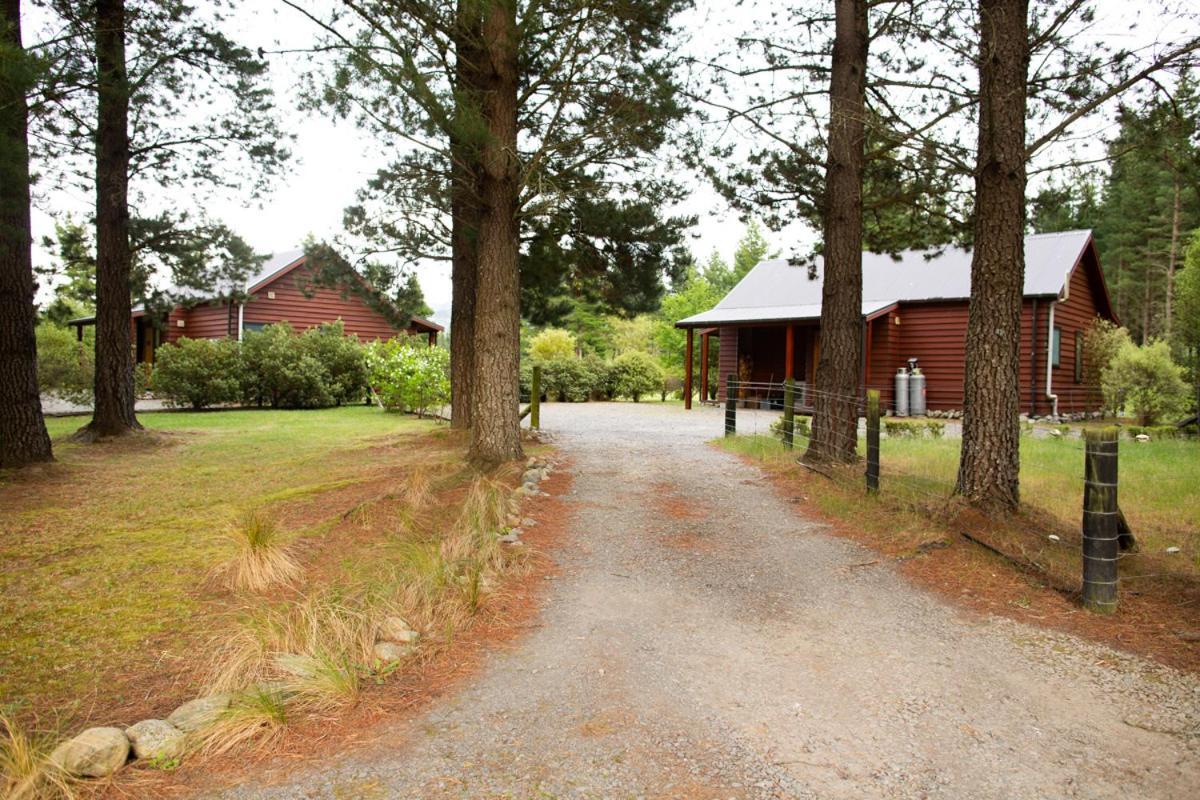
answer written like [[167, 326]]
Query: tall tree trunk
[[1172, 261], [1146, 307], [835, 417], [990, 459], [495, 425], [465, 214], [23, 437], [113, 414]]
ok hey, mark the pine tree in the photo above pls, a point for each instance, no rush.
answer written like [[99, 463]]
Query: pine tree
[[23, 436]]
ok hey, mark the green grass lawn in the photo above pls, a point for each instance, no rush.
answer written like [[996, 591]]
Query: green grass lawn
[[1159, 480], [108, 553]]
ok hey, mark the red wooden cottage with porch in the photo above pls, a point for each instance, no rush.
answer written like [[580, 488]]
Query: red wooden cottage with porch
[[914, 306], [283, 290]]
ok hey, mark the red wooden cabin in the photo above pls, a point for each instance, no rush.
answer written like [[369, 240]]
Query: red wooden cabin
[[282, 291], [914, 306]]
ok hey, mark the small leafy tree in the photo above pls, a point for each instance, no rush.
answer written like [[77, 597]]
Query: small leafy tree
[[65, 366], [551, 344], [636, 374], [198, 373], [408, 376], [1146, 381], [1101, 342]]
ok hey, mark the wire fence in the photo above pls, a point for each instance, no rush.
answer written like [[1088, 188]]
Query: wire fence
[[917, 469]]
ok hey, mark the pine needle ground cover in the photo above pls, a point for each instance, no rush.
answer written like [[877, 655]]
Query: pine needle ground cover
[[136, 573], [1027, 566]]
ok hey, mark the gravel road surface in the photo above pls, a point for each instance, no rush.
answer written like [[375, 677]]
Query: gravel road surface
[[704, 640]]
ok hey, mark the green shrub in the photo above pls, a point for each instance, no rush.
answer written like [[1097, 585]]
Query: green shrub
[[198, 372], [604, 386], [896, 428], [342, 357], [1145, 381], [552, 344], [280, 373], [568, 379], [65, 367], [937, 429], [636, 373], [408, 375]]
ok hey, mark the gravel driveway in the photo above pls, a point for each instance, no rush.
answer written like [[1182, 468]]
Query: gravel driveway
[[706, 641]]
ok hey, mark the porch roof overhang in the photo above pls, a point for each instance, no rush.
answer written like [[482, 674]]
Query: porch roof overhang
[[761, 315]]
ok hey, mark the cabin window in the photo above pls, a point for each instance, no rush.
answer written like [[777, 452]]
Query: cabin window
[[1079, 356], [253, 326], [1056, 348]]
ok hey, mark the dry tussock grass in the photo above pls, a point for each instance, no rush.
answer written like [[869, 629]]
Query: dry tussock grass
[[256, 716], [262, 560], [26, 772]]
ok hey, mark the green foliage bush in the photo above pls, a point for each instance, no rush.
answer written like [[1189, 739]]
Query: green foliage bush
[[552, 344], [65, 367], [635, 374], [322, 367], [198, 373], [409, 376], [569, 380], [1145, 381], [913, 429]]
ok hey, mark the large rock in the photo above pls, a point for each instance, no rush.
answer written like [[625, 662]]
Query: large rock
[[396, 629], [155, 739], [196, 714], [388, 652], [95, 753]]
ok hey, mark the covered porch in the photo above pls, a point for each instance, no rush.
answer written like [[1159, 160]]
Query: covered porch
[[760, 357]]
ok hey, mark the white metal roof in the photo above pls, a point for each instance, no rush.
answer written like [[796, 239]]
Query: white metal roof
[[778, 290]]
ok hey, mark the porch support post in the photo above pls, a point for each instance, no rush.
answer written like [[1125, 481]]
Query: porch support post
[[704, 367], [433, 338], [687, 372], [789, 353]]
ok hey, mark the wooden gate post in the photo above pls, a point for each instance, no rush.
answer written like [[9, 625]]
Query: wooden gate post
[[535, 397], [730, 406], [789, 412], [1100, 521], [872, 440]]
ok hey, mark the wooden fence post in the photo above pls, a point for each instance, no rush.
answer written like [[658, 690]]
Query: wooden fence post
[[1100, 521], [730, 406], [789, 412], [873, 440], [535, 397]]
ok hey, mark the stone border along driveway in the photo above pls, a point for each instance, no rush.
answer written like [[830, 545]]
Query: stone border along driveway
[[704, 640]]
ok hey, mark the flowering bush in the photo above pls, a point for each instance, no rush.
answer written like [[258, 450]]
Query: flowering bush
[[409, 376]]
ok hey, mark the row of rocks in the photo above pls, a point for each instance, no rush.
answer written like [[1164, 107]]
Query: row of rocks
[[536, 471], [98, 752]]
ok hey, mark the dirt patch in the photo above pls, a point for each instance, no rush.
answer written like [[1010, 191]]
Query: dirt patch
[[508, 614], [1157, 616]]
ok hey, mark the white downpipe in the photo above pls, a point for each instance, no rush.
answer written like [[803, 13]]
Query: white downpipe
[[241, 317], [1050, 363]]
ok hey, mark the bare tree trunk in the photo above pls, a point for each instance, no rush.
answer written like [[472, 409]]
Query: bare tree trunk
[[990, 460], [1172, 261], [835, 417], [23, 437], [1146, 308], [465, 215], [113, 414], [495, 424]]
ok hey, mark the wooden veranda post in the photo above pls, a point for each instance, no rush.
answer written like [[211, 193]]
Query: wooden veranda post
[[1100, 521], [730, 405], [704, 367], [872, 440], [535, 398], [789, 412], [687, 372]]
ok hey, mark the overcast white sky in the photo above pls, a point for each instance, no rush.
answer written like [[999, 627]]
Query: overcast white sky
[[332, 160]]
